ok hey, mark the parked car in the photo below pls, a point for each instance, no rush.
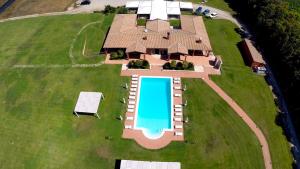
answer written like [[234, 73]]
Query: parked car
[[205, 12], [213, 15], [198, 11]]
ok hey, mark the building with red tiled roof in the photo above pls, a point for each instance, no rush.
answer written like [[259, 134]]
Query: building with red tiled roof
[[158, 37]]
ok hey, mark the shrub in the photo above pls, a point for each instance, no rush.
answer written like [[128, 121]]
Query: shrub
[[185, 65], [173, 65], [109, 9], [138, 64], [122, 10], [141, 22], [113, 55], [166, 66], [179, 66], [121, 53], [175, 23]]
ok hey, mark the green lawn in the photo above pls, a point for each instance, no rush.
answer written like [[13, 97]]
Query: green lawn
[[47, 40], [249, 90], [38, 130]]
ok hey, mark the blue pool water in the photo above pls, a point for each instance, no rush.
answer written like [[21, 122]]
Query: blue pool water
[[154, 106]]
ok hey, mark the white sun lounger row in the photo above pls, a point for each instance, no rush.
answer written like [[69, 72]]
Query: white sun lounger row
[[130, 118], [177, 95], [178, 106], [178, 126], [128, 126], [178, 109], [130, 110], [177, 119], [178, 114], [177, 87], [178, 134], [176, 78], [176, 82], [135, 76]]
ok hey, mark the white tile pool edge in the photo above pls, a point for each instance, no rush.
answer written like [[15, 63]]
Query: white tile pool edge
[[137, 105]]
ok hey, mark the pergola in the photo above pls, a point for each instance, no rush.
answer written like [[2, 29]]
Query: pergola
[[88, 103]]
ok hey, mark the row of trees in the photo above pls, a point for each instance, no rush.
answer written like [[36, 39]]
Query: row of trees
[[277, 33]]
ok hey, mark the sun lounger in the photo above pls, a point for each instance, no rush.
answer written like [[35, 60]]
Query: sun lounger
[[132, 93], [135, 75], [178, 109], [177, 78], [177, 119], [178, 126], [131, 97], [178, 114], [130, 106], [178, 133], [128, 126], [131, 102], [176, 82], [130, 110], [178, 106], [177, 95], [130, 118], [134, 86], [133, 89], [134, 82], [134, 79], [177, 87]]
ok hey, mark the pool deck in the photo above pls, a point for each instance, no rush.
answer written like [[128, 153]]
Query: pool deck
[[167, 137]]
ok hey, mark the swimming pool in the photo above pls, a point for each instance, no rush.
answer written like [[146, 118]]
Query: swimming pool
[[154, 112]]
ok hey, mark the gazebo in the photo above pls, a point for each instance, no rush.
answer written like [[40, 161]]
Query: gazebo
[[88, 103]]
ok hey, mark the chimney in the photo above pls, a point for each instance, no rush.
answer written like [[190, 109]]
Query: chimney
[[168, 35], [199, 40]]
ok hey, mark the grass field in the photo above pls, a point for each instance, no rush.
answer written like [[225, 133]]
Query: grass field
[[47, 40], [38, 130], [249, 90], [27, 7]]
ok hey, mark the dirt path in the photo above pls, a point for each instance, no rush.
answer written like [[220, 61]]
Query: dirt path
[[259, 134]]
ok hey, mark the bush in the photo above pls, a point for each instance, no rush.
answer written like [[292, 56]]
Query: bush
[[173, 65], [113, 55], [121, 53], [138, 64], [109, 9], [179, 66], [117, 55], [175, 23], [141, 22]]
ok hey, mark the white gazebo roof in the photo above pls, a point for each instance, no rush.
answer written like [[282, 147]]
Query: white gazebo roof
[[132, 4], [172, 4], [144, 10], [186, 5], [88, 102], [159, 10], [129, 164], [145, 3], [173, 11]]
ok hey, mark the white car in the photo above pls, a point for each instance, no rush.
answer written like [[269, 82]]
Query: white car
[[213, 15]]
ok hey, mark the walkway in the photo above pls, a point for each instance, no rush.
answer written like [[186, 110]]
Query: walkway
[[259, 134]]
